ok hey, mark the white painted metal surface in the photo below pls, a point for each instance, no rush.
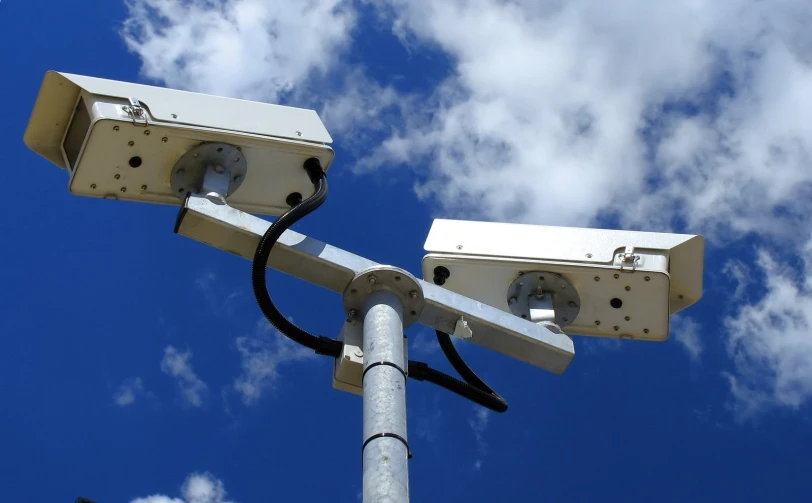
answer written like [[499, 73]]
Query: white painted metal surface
[[679, 255]]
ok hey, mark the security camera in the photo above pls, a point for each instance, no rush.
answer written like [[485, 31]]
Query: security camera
[[119, 140], [597, 282]]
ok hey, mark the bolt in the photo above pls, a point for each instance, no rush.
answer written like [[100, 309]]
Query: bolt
[[597, 278], [628, 318], [372, 280], [413, 294], [219, 170], [123, 189], [92, 185], [131, 143], [116, 128], [164, 139], [647, 278], [143, 187], [628, 288], [146, 132], [572, 304], [116, 176], [353, 313]]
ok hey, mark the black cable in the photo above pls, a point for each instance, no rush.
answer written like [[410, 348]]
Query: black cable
[[473, 389], [320, 344], [422, 372]]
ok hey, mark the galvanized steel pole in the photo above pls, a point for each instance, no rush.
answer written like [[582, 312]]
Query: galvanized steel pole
[[385, 448]]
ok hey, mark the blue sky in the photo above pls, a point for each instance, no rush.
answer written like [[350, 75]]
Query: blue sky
[[135, 363]]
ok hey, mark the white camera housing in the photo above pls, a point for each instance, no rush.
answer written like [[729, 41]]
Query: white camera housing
[[626, 283], [120, 140]]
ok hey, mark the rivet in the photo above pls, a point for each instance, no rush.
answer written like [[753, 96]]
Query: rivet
[[131, 143], [459, 247], [588, 255], [372, 280], [116, 176], [123, 189], [92, 185], [597, 322], [164, 139], [597, 278], [143, 187], [645, 330], [628, 288], [146, 132], [616, 328], [617, 276], [115, 128], [647, 278], [628, 318]]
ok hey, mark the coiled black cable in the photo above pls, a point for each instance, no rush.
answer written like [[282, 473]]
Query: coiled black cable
[[473, 389]]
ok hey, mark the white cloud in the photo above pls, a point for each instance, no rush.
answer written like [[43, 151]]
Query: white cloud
[[478, 424], [261, 354], [129, 390], [424, 343], [219, 301], [198, 488], [771, 339], [686, 332], [179, 366], [253, 49]]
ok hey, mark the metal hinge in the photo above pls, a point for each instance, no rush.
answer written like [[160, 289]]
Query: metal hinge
[[628, 260], [137, 112]]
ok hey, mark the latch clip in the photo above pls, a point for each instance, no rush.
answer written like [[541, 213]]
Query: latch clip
[[628, 260], [137, 112]]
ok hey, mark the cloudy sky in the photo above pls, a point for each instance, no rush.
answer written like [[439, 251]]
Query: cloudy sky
[[136, 366]]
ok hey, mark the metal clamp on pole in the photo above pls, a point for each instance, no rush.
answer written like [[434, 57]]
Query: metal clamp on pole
[[389, 299]]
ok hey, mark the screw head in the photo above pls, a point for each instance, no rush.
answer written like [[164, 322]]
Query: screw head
[[588, 255], [123, 189], [143, 187], [628, 318], [459, 247], [572, 304], [645, 330], [146, 132], [647, 278], [92, 185], [164, 139], [116, 128], [597, 278], [116, 176], [413, 294], [616, 328], [131, 143], [597, 322], [353, 313], [372, 280], [298, 133], [617, 276], [628, 288], [174, 116]]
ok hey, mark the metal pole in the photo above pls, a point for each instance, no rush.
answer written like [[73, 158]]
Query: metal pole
[[385, 448]]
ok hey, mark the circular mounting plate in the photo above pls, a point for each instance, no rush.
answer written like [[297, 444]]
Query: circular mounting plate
[[393, 279], [566, 300], [188, 172]]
